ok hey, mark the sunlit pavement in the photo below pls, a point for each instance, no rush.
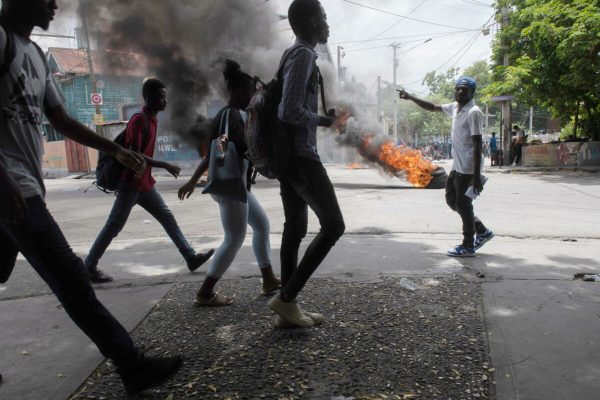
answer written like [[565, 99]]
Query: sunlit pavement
[[541, 325]]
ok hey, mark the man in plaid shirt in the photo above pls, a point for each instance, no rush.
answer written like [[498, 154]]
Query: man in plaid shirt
[[306, 183]]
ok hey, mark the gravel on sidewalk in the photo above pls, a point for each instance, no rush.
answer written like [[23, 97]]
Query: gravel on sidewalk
[[380, 341]]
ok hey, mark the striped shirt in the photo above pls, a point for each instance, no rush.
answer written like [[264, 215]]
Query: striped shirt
[[300, 99]]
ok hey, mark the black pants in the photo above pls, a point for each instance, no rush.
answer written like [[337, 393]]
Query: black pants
[[314, 190], [41, 241], [518, 153], [456, 186]]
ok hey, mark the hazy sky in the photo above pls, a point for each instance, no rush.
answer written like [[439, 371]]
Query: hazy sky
[[454, 27], [350, 22]]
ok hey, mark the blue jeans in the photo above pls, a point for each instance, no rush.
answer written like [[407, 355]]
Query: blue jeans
[[151, 201], [41, 241], [235, 217]]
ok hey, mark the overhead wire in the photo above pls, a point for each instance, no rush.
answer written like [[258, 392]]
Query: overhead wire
[[396, 23], [404, 36], [410, 41], [403, 16]]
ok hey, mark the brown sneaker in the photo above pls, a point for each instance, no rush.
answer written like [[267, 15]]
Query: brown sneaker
[[269, 288]]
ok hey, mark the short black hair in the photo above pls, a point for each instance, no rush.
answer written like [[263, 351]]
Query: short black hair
[[300, 12], [150, 86], [516, 127]]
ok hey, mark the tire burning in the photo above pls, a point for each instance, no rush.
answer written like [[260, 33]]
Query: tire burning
[[397, 161]]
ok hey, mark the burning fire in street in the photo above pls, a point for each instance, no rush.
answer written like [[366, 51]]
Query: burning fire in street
[[354, 166], [398, 161], [410, 161]]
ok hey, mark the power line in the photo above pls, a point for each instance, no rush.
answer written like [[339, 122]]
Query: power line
[[469, 44], [398, 22], [477, 3], [410, 41], [403, 16], [405, 36]]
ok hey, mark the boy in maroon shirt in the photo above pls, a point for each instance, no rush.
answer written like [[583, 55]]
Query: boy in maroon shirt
[[139, 189]]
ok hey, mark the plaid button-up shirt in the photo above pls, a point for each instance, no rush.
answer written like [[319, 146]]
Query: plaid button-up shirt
[[300, 100]]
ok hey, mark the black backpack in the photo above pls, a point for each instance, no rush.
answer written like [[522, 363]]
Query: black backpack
[[10, 52], [109, 171], [269, 140]]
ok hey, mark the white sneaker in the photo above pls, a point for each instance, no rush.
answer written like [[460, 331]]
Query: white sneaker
[[290, 313], [317, 319]]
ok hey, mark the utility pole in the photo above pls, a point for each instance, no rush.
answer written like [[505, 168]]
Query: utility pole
[[530, 120], [395, 47], [339, 63], [379, 105], [88, 51], [506, 104]]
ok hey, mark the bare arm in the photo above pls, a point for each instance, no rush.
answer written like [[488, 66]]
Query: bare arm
[[186, 190], [424, 104], [80, 133], [171, 168]]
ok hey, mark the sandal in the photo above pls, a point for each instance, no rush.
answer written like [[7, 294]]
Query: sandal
[[217, 300]]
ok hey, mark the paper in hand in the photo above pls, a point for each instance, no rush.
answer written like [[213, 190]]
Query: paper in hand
[[471, 190]]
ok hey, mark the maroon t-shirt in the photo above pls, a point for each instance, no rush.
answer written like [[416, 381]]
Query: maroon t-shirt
[[134, 139]]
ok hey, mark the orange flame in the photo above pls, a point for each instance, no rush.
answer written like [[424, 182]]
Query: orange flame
[[354, 166], [404, 159]]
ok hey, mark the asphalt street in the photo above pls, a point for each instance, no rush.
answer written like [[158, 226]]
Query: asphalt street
[[541, 325]]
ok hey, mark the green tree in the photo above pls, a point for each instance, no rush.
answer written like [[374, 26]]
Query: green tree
[[554, 48]]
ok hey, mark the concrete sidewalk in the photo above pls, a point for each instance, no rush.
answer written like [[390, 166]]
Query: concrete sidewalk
[[542, 326]]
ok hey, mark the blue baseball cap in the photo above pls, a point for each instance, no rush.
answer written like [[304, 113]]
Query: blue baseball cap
[[466, 81]]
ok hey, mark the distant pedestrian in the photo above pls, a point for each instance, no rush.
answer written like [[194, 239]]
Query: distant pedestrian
[[26, 91], [494, 157], [467, 128], [139, 189], [236, 215], [305, 183], [518, 138]]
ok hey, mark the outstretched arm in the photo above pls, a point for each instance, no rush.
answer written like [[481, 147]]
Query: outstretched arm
[[80, 133], [424, 104]]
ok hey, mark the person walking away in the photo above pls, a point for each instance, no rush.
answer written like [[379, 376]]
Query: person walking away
[[494, 150], [139, 189], [235, 215], [305, 183]]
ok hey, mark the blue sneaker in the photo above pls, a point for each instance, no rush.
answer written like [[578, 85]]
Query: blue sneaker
[[461, 251], [480, 240]]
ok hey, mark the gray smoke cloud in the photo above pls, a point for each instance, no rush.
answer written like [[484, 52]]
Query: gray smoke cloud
[[185, 43]]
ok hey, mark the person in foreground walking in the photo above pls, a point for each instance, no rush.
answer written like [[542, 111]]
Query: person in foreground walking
[[26, 90], [236, 214], [306, 183], [139, 189]]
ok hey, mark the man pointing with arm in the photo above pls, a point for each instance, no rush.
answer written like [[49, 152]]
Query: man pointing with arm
[[467, 129]]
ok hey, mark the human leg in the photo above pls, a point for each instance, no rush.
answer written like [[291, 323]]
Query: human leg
[[295, 210], [234, 218], [261, 245], [464, 207], [124, 202], [320, 196]]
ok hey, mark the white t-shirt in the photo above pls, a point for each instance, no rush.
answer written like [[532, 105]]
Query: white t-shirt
[[24, 91], [465, 123]]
